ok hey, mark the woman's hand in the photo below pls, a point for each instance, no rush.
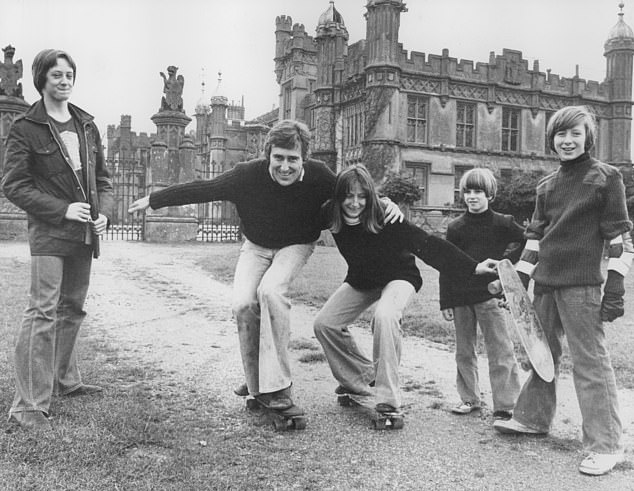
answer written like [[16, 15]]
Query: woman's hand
[[141, 204], [447, 314]]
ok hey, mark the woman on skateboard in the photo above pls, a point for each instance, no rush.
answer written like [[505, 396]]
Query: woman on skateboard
[[381, 270]]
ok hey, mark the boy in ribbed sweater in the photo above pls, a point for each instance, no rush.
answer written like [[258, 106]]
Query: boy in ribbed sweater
[[578, 208], [482, 233]]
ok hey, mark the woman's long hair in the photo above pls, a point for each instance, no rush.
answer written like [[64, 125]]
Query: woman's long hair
[[372, 216]]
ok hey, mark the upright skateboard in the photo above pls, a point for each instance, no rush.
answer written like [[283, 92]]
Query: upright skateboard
[[524, 319], [393, 420], [292, 418]]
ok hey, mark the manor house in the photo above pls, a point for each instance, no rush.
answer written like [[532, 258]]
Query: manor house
[[433, 116]]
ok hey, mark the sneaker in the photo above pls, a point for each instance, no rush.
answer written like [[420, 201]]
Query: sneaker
[[465, 408], [502, 415], [597, 464], [514, 427]]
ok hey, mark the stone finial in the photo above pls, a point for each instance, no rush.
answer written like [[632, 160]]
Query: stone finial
[[10, 73], [173, 90]]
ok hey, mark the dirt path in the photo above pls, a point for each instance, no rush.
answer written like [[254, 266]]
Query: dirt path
[[153, 304]]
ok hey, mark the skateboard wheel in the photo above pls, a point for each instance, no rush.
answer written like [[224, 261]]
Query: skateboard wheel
[[344, 401], [299, 423], [253, 404], [280, 424], [398, 423], [379, 424]]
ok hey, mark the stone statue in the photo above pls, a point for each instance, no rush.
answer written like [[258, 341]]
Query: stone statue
[[10, 73], [173, 90]]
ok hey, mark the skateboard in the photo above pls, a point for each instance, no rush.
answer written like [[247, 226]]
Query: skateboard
[[292, 418], [393, 420], [524, 319]]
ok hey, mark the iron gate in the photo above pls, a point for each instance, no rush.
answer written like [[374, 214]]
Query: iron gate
[[128, 182], [218, 221]]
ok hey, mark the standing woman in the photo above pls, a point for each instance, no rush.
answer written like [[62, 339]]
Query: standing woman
[[55, 171], [381, 270]]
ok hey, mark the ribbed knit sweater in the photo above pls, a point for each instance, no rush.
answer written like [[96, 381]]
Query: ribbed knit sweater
[[376, 259], [482, 236], [272, 215], [578, 207]]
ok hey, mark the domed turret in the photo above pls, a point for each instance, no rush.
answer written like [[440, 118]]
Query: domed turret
[[330, 16], [621, 34]]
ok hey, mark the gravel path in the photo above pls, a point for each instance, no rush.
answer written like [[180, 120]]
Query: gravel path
[[151, 302]]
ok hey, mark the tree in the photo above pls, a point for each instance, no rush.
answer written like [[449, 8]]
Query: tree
[[516, 194], [401, 189]]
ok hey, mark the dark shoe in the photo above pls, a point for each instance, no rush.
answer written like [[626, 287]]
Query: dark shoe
[[383, 407], [341, 390], [278, 400], [241, 390], [502, 415], [32, 420], [84, 390]]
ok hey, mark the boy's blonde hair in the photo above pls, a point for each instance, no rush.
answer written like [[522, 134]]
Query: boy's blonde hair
[[569, 117], [479, 178]]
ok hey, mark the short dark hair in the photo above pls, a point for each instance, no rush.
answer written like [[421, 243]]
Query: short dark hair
[[481, 179], [569, 117], [372, 216], [44, 61], [288, 134]]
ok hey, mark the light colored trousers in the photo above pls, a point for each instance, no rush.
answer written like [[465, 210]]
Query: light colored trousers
[[45, 361], [503, 369], [349, 365], [575, 312], [262, 311]]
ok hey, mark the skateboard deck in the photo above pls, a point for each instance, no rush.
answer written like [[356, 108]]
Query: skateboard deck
[[525, 320], [292, 418], [393, 420]]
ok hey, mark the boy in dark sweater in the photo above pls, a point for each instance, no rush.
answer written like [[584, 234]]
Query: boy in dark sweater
[[579, 207], [481, 233]]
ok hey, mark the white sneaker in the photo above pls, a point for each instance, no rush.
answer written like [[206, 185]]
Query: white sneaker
[[512, 426], [597, 464], [465, 408]]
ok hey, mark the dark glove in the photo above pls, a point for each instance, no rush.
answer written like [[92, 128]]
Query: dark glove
[[525, 279], [612, 305]]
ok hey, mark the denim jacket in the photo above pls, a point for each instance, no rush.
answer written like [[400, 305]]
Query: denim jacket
[[38, 178]]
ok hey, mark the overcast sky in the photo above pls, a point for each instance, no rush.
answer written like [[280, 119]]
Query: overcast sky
[[120, 46]]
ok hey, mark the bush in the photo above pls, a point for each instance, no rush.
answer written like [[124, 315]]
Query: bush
[[401, 189], [516, 194]]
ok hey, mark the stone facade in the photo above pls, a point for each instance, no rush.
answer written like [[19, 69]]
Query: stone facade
[[434, 116], [13, 223]]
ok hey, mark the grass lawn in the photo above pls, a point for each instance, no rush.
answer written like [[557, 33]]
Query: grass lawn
[[160, 435]]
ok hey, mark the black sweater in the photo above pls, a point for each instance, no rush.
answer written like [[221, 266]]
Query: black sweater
[[481, 236], [376, 259], [272, 215]]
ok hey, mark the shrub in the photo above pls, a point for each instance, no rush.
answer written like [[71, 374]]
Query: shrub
[[516, 194], [401, 189]]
